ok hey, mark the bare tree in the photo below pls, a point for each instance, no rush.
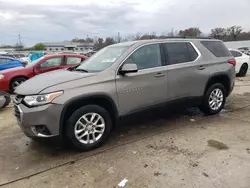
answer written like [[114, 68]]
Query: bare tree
[[218, 33], [234, 31], [190, 32]]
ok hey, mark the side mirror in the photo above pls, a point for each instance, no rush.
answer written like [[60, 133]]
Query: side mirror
[[128, 68]]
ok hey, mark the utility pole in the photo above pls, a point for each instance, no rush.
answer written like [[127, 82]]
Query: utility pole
[[119, 39], [20, 43]]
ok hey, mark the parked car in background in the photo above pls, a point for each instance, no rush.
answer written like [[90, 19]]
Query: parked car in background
[[8, 63], [245, 50], [10, 79], [242, 62], [83, 104], [4, 99]]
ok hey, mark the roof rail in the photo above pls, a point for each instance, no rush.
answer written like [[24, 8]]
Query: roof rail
[[188, 37]]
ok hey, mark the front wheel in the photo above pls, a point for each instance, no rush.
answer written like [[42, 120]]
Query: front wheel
[[88, 127], [16, 82], [214, 99]]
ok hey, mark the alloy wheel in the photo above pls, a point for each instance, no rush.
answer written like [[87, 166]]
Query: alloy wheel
[[216, 99], [89, 128]]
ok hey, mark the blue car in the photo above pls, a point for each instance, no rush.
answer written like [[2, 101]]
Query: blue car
[[9, 62]]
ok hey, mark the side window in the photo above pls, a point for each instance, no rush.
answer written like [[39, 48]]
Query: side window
[[53, 62], [73, 60], [217, 48], [178, 52], [239, 54], [234, 53], [146, 57], [4, 61]]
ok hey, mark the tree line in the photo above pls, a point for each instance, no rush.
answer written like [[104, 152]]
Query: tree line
[[233, 33]]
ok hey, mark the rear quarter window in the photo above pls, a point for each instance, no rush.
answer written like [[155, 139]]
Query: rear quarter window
[[217, 48]]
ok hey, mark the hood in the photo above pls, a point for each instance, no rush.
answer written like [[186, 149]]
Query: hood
[[12, 70], [40, 82]]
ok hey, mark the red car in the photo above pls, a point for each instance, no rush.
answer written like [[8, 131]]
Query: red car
[[11, 78]]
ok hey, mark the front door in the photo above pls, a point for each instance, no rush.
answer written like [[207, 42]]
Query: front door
[[148, 86]]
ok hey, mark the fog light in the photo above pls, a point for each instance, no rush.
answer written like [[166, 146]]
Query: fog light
[[41, 130]]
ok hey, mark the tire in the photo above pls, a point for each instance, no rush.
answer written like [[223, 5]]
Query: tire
[[208, 109], [13, 83], [7, 98], [77, 122], [243, 70]]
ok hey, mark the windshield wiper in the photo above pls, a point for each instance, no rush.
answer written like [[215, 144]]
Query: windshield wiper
[[80, 70]]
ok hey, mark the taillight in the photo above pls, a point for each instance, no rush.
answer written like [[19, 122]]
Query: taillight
[[232, 61]]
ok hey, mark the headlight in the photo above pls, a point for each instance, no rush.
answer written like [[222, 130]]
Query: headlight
[[37, 100], [1, 76]]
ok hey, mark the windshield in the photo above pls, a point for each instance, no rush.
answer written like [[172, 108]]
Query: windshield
[[35, 62], [103, 59]]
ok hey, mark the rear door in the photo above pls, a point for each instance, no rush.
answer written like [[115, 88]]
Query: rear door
[[183, 73], [53, 63]]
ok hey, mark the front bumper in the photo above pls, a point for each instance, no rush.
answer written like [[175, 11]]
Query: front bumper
[[31, 118]]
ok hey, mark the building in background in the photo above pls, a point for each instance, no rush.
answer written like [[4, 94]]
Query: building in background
[[68, 46]]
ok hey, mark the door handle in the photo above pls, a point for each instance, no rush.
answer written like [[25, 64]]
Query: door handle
[[159, 74], [201, 67]]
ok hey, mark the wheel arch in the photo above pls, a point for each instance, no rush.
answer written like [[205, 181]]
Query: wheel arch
[[219, 78], [17, 76], [75, 103]]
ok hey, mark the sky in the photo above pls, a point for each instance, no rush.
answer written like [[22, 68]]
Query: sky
[[60, 20]]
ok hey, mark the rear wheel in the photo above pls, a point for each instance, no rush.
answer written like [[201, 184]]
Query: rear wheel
[[243, 70], [16, 82], [88, 127], [214, 99]]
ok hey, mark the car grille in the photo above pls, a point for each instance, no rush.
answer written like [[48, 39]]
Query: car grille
[[17, 113], [18, 99]]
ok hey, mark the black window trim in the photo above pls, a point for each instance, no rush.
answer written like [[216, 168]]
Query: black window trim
[[163, 55], [186, 42]]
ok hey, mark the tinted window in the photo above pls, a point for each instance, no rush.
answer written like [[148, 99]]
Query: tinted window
[[53, 62], [146, 57], [217, 48], [73, 60], [179, 52]]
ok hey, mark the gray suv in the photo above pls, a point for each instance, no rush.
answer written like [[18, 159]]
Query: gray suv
[[83, 103]]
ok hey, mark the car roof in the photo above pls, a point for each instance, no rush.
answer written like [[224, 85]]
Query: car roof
[[59, 55]]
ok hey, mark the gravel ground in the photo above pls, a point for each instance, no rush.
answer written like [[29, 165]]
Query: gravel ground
[[162, 149]]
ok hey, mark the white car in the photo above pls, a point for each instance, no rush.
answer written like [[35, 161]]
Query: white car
[[242, 62]]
